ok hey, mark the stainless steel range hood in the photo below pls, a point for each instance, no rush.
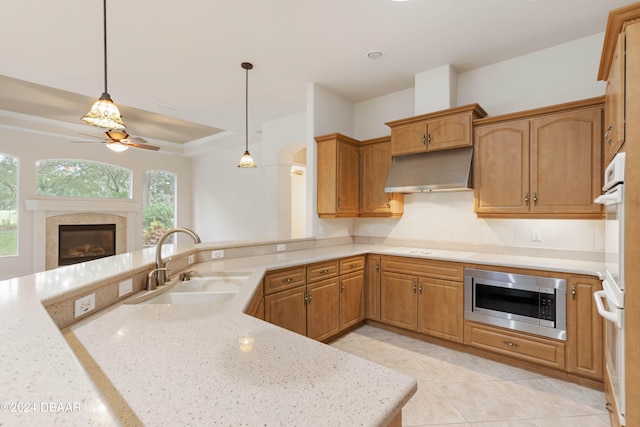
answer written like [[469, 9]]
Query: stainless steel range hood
[[445, 170]]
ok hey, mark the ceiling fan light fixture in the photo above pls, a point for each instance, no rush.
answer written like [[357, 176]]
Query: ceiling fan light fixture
[[246, 161], [117, 147], [104, 112]]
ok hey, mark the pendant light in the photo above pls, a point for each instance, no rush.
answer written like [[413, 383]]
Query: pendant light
[[246, 161], [104, 112]]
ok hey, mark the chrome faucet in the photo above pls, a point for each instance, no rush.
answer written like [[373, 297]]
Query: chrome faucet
[[163, 275]]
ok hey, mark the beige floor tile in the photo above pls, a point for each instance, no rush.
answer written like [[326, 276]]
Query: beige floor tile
[[587, 421], [592, 400], [430, 406], [482, 401], [540, 399], [509, 423]]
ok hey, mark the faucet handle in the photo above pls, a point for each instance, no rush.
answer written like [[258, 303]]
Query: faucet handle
[[167, 273], [152, 278]]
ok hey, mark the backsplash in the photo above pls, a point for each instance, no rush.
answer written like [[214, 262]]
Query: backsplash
[[448, 218]]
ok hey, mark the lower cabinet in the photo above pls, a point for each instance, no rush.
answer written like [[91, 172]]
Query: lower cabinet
[[372, 287], [530, 348], [430, 301], [316, 300]]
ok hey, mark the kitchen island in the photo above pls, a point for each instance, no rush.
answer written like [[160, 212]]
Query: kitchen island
[[195, 364]]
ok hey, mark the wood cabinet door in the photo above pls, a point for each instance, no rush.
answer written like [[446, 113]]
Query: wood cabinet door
[[501, 162], [566, 162], [287, 309], [322, 309], [347, 178], [584, 328], [614, 103], [372, 287], [351, 299], [440, 308], [409, 139], [375, 162], [398, 299], [449, 132]]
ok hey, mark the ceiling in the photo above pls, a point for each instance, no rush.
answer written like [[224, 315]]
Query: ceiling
[[174, 66]]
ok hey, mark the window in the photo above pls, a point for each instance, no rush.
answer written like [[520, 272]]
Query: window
[[159, 192], [82, 178], [8, 205]]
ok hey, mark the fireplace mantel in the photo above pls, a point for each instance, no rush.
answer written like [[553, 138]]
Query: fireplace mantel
[[46, 208]]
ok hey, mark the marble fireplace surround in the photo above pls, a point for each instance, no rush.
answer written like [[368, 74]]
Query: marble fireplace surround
[[50, 213]]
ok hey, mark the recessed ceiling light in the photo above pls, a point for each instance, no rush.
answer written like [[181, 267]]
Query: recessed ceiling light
[[374, 54]]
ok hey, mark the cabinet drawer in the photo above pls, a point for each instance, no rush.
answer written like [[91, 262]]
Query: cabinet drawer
[[519, 346], [322, 270], [279, 280], [349, 265], [427, 268]]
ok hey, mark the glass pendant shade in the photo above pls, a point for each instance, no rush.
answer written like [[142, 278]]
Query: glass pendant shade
[[246, 161], [117, 147], [104, 114]]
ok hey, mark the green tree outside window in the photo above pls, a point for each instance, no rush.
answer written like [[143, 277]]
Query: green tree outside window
[[159, 192], [8, 205], [82, 178]]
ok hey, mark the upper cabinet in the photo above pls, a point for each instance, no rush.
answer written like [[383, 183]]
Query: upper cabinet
[[614, 111], [352, 176], [338, 176], [543, 163], [375, 162], [434, 131]]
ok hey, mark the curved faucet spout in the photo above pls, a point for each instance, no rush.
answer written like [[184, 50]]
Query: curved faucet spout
[[160, 263]]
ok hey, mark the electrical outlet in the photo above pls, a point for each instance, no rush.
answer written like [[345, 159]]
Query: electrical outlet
[[125, 287], [281, 247], [191, 259], [84, 305], [217, 254], [536, 235]]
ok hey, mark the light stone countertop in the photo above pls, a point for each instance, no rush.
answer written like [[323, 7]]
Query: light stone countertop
[[175, 364]]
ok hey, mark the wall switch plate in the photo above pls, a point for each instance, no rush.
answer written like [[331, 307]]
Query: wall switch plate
[[217, 254], [281, 247], [191, 259], [125, 287], [536, 235], [84, 305]]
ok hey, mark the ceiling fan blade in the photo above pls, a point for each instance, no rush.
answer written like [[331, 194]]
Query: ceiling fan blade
[[145, 146], [86, 142], [90, 136], [137, 140]]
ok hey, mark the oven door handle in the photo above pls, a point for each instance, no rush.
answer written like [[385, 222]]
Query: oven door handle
[[609, 315]]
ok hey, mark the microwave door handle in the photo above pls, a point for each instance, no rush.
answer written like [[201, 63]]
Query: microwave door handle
[[613, 317]]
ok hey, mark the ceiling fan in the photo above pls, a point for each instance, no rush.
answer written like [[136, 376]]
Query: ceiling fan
[[120, 140]]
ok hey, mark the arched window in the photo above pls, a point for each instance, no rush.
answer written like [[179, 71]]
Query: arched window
[[159, 204], [8, 205], [82, 178]]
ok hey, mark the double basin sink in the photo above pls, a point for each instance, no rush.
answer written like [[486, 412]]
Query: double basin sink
[[204, 288]]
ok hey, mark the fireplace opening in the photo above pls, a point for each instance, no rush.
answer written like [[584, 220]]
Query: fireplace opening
[[80, 243]]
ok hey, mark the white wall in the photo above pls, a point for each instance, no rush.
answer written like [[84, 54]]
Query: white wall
[[30, 147], [370, 116], [559, 74]]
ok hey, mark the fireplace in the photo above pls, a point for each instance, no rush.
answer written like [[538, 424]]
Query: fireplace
[[84, 242]]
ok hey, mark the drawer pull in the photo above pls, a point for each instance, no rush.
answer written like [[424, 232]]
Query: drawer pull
[[354, 264], [325, 271], [287, 280], [510, 343]]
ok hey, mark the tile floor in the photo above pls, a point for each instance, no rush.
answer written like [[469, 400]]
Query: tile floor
[[456, 389]]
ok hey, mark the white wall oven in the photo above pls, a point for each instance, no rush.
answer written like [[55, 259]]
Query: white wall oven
[[610, 300], [532, 304]]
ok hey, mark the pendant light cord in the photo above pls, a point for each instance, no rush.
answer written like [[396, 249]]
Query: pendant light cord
[[246, 109], [104, 20]]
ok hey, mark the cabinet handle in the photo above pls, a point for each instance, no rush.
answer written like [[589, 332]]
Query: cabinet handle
[[341, 286], [420, 289], [424, 139], [309, 298], [355, 264], [573, 291], [535, 199], [608, 407], [377, 266], [414, 288], [339, 201], [388, 203], [510, 343], [306, 298], [287, 280], [429, 138], [325, 271], [526, 199]]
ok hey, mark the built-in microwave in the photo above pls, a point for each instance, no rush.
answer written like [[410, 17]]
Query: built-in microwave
[[532, 304]]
